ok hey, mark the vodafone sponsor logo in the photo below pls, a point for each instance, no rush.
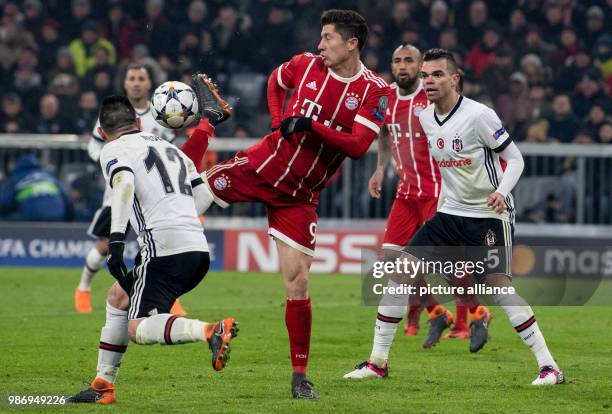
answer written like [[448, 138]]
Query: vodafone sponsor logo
[[452, 163]]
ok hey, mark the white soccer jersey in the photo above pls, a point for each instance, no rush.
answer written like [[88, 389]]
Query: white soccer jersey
[[163, 214], [147, 124], [466, 145]]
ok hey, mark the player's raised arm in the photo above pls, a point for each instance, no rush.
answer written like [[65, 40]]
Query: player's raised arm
[[384, 155]]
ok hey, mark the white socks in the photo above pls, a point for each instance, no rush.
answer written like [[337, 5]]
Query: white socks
[[390, 312], [113, 343], [524, 322], [93, 262], [167, 329]]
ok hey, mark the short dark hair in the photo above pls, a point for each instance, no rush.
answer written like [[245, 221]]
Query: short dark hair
[[116, 112], [437, 53], [348, 23], [147, 68]]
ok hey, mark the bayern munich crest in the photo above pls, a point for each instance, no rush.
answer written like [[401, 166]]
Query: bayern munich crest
[[418, 109], [221, 183], [352, 101]]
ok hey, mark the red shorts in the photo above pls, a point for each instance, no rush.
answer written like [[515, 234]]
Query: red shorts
[[406, 217], [290, 220]]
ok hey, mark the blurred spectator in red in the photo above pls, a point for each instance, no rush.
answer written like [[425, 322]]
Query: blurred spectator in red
[[13, 119], [568, 45], [483, 54], [471, 30], [83, 49], [52, 121], [563, 123], [120, 29], [87, 113]]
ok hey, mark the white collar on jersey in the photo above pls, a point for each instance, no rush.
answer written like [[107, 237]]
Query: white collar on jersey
[[147, 109], [348, 80], [410, 96]]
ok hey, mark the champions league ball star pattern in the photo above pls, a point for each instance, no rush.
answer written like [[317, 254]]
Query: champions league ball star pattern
[[174, 105]]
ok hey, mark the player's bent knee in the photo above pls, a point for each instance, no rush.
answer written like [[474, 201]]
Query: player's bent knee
[[117, 297], [133, 328]]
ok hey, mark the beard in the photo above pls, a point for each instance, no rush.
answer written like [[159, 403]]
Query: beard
[[406, 83]]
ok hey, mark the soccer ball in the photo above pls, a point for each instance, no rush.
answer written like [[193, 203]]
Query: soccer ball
[[174, 104]]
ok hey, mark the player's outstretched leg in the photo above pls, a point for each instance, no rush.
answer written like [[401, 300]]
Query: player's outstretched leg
[[211, 104], [94, 261], [167, 329], [524, 322]]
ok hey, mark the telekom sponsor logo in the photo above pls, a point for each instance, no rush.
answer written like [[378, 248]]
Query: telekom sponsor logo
[[451, 163]]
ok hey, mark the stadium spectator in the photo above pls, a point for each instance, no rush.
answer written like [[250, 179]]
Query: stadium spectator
[[589, 91], [13, 41], [49, 43], [568, 45], [51, 120], [233, 40], [121, 30], [32, 194], [159, 36], [73, 23], [398, 20], [517, 27], [13, 118], [278, 26], [534, 70], [438, 21], [539, 96], [33, 18], [595, 119], [484, 53], [553, 23], [595, 24], [534, 44], [573, 69], [563, 124], [605, 133], [516, 95], [87, 113], [603, 57], [472, 29], [26, 80], [84, 48]]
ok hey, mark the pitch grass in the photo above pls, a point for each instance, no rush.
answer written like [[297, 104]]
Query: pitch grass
[[47, 349]]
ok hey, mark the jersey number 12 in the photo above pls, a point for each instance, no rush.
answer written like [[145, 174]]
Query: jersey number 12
[[154, 160]]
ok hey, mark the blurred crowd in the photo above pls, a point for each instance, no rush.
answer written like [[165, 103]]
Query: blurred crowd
[[545, 65]]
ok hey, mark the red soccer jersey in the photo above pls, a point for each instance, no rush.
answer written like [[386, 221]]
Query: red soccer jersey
[[418, 172], [302, 165]]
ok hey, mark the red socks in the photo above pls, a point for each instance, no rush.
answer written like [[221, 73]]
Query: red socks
[[461, 317], [298, 319], [197, 144]]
